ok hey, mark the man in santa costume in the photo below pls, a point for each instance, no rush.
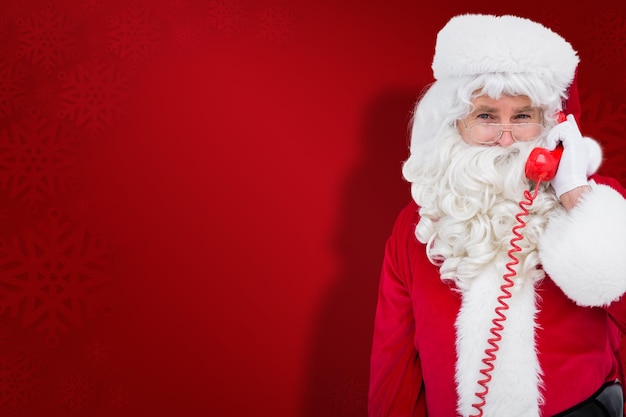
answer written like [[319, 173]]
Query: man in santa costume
[[487, 306]]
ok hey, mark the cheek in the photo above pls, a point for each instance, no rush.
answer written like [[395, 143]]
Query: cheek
[[463, 132]]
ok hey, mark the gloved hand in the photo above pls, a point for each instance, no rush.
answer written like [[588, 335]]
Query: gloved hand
[[581, 156]]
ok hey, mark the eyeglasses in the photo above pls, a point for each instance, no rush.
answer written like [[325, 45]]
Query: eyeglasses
[[488, 133]]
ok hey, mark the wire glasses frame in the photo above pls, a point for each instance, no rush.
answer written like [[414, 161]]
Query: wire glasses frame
[[489, 133]]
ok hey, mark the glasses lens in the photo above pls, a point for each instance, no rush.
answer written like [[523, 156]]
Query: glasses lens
[[491, 132], [485, 132], [524, 132]]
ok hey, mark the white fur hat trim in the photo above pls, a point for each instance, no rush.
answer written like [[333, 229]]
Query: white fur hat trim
[[472, 44]]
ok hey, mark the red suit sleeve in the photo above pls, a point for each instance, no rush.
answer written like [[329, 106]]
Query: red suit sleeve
[[396, 385]]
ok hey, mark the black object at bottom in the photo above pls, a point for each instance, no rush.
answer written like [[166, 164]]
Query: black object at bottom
[[608, 401]]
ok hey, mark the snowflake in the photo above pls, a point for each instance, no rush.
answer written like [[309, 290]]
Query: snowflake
[[94, 95], [97, 351], [78, 392], [134, 35], [82, 204], [16, 7], [51, 276], [276, 24], [37, 158], [607, 119], [176, 6], [187, 36], [46, 39], [606, 40], [551, 17], [44, 93], [119, 399], [12, 82], [18, 374], [4, 28], [225, 16], [349, 394], [91, 7]]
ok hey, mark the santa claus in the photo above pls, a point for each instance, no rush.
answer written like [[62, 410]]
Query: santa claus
[[501, 295]]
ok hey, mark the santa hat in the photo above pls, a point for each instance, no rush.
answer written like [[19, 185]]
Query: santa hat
[[474, 44]]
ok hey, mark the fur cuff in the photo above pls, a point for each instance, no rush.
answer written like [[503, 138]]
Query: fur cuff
[[595, 155], [584, 251]]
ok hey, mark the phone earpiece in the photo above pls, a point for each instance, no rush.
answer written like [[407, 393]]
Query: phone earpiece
[[542, 163]]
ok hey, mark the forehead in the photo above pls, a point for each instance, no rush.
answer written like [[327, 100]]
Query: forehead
[[504, 102]]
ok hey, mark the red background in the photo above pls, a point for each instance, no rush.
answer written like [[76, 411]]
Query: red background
[[195, 194]]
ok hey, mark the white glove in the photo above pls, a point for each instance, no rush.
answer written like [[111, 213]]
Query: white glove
[[581, 156]]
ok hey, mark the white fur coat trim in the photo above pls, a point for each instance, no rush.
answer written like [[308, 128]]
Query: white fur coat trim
[[584, 251], [514, 388]]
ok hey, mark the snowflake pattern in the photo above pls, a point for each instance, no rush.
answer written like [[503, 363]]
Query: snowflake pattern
[[47, 38], [606, 40], [44, 93], [12, 82], [97, 352], [4, 27], [226, 16], [78, 392], [95, 95], [187, 35], [175, 7], [349, 394], [119, 399], [82, 204], [15, 7], [550, 17], [90, 7], [18, 375], [52, 276], [277, 24], [134, 35], [37, 158], [608, 118]]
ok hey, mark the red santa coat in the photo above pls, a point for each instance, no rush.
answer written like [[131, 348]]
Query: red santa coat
[[577, 338]]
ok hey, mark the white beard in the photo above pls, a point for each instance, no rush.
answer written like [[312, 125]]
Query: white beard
[[469, 196]]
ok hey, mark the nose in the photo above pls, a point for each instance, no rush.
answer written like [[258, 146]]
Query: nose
[[506, 138]]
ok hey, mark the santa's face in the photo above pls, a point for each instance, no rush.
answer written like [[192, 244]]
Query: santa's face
[[501, 121]]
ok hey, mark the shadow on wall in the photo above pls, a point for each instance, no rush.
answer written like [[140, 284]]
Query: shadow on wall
[[375, 192]]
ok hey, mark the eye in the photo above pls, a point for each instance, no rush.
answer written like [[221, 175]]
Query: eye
[[483, 117], [524, 118]]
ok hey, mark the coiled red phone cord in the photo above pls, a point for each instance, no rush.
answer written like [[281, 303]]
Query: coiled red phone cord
[[490, 352]]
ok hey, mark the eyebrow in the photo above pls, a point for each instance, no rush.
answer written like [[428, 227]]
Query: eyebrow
[[485, 108]]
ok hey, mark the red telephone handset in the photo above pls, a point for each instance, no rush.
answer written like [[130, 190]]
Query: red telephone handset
[[542, 163]]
